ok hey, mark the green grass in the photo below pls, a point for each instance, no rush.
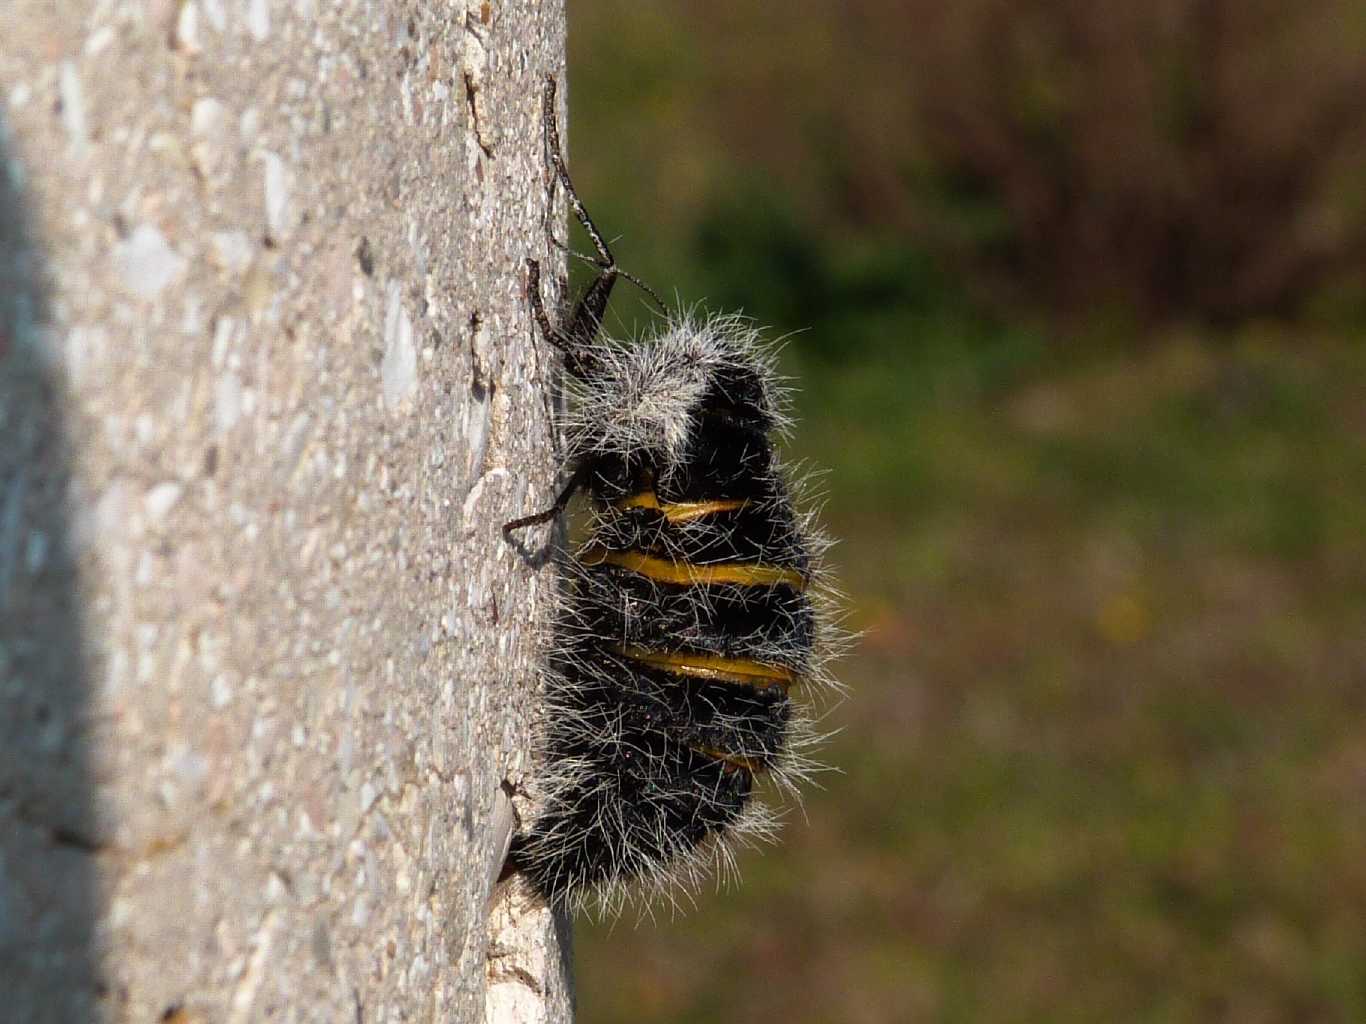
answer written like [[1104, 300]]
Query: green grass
[[1103, 756]]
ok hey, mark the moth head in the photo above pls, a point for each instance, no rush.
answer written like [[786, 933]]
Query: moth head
[[645, 399]]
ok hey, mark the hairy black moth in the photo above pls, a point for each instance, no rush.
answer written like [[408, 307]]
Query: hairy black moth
[[693, 609]]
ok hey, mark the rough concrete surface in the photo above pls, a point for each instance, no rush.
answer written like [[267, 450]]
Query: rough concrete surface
[[268, 389]]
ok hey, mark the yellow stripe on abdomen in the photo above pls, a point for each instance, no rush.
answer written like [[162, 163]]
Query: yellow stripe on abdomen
[[731, 761], [713, 667], [682, 511], [665, 570]]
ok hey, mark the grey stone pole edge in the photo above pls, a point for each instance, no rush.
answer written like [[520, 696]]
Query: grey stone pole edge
[[269, 387]]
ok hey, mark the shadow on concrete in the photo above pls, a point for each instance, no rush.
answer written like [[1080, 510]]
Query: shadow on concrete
[[49, 833]]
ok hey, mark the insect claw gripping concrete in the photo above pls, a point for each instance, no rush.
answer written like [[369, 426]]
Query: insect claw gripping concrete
[[688, 619]]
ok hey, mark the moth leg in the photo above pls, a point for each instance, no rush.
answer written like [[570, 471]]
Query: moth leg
[[605, 260], [549, 331], [576, 481], [577, 347], [577, 336], [582, 329]]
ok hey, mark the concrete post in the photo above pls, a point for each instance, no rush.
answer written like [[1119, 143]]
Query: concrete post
[[269, 387]]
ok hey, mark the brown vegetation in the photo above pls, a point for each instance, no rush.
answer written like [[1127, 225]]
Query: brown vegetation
[[1184, 158]]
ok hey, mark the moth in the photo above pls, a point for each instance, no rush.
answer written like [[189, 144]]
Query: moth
[[690, 615]]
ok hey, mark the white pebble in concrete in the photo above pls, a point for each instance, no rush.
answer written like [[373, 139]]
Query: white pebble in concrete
[[73, 107], [258, 20], [398, 371], [278, 186], [158, 501], [227, 402], [231, 250], [146, 263], [187, 28]]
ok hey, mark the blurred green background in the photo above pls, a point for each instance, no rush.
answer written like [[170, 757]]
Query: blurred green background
[[1081, 293]]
